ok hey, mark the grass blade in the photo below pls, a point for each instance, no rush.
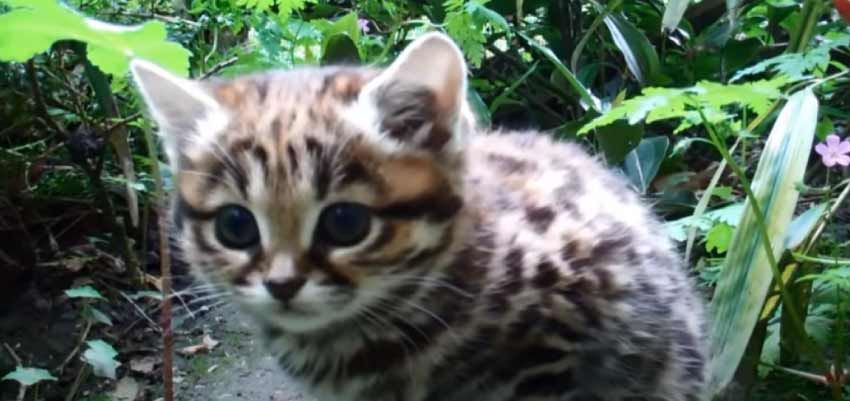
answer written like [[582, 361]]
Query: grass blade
[[747, 274]]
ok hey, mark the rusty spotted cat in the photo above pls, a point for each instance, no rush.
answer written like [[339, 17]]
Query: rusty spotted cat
[[390, 249]]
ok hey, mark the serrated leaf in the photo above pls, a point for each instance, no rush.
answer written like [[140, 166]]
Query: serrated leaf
[[101, 356], [34, 25], [746, 276], [795, 66], [718, 238], [29, 376], [666, 103], [468, 34], [642, 163], [84, 292]]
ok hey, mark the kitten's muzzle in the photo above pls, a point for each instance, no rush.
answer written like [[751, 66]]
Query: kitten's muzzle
[[284, 291]]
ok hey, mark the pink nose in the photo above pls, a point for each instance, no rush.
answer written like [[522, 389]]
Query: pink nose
[[285, 290]]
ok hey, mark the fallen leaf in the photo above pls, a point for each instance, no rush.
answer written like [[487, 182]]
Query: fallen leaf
[[207, 344], [144, 365], [127, 389]]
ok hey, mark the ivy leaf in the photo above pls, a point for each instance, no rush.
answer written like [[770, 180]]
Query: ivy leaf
[[84, 292], [29, 376], [34, 25], [718, 238], [101, 356]]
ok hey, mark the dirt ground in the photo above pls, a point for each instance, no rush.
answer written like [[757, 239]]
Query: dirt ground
[[237, 369]]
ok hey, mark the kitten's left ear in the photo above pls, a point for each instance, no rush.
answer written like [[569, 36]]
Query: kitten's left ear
[[421, 97], [177, 105]]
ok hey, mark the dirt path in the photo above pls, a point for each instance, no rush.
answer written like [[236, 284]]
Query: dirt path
[[237, 369]]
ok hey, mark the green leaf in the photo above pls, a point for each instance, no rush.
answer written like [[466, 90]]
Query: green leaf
[[718, 238], [340, 49], [101, 356], [666, 103], [29, 376], [96, 315], [618, 139], [747, 275], [284, 7], [587, 98], [673, 14], [642, 163], [803, 225], [478, 106], [110, 47], [468, 34], [84, 292], [796, 66], [638, 52]]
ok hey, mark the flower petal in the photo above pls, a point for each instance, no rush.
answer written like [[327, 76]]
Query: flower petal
[[844, 146], [843, 160], [833, 140], [828, 160], [821, 149]]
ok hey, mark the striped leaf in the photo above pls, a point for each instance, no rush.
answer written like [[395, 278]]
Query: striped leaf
[[747, 274]]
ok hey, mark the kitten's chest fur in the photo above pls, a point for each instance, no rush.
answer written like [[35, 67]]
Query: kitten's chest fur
[[556, 284]]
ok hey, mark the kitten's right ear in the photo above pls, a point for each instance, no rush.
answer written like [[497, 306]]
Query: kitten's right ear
[[176, 104]]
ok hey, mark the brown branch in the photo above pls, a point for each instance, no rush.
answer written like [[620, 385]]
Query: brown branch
[[220, 66]]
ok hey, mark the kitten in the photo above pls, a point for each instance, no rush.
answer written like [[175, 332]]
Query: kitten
[[390, 250]]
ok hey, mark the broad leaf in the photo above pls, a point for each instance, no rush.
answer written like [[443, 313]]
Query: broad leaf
[[638, 52], [642, 163], [84, 292], [101, 356], [29, 376], [746, 276], [34, 25], [618, 139], [718, 238], [673, 14]]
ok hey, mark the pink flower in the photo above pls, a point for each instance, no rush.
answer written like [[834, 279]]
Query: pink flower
[[834, 151], [363, 24]]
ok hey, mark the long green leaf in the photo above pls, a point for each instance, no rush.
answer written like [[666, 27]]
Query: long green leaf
[[587, 98], [637, 50], [747, 274], [673, 14]]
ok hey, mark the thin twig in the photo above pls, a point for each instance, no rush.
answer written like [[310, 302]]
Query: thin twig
[[13, 354], [141, 311], [76, 349], [77, 381], [220, 66]]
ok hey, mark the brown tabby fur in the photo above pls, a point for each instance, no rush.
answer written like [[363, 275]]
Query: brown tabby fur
[[503, 266]]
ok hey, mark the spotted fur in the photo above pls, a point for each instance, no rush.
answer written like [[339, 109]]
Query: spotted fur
[[500, 266]]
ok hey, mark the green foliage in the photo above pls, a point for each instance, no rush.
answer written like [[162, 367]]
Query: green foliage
[[655, 87], [100, 355], [84, 292], [710, 98], [29, 376], [110, 47]]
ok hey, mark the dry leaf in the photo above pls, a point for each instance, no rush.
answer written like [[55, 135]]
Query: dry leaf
[[126, 389], [144, 365], [207, 344]]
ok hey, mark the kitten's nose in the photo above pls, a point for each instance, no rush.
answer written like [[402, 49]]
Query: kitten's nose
[[285, 290]]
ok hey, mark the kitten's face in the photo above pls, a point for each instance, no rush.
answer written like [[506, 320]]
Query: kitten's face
[[315, 193]]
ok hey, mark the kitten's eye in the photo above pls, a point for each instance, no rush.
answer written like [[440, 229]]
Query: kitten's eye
[[344, 224], [236, 228]]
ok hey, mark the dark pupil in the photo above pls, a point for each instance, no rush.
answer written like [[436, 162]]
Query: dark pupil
[[235, 227], [344, 224]]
